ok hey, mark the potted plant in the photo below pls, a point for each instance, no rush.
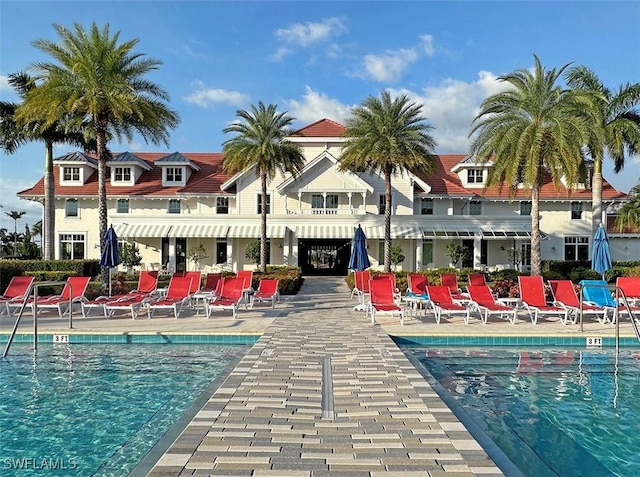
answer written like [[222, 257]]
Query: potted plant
[[197, 253]]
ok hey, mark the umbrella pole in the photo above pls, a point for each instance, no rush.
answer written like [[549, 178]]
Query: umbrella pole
[[110, 281]]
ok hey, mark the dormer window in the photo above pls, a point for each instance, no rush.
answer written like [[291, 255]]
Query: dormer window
[[174, 174], [122, 174], [475, 176], [71, 174]]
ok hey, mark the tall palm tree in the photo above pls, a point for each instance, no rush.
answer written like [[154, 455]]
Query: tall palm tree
[[533, 128], [618, 119], [15, 215], [388, 136], [97, 77], [261, 143], [14, 133]]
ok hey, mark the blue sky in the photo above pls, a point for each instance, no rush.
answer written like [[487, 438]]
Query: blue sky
[[317, 59]]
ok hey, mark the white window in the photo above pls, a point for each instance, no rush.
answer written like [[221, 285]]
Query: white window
[[72, 246], [381, 204], [122, 174], [222, 205], [71, 208], [576, 210], [174, 206], [122, 206], [426, 206], [71, 174], [317, 201], [475, 176], [475, 207], [260, 203], [174, 174], [525, 207], [332, 201], [576, 248]]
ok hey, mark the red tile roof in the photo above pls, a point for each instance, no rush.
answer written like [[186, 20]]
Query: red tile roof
[[210, 177], [323, 128]]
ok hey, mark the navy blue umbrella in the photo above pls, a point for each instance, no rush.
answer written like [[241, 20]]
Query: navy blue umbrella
[[110, 255], [600, 254], [359, 259]]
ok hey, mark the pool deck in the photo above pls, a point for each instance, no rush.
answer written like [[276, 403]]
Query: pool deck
[[272, 416]]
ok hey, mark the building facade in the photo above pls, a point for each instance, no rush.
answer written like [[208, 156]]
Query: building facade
[[171, 204]]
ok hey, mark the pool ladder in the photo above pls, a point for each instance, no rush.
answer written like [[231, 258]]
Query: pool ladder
[[33, 289]]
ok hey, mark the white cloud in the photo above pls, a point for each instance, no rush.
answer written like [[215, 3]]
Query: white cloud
[[389, 67], [451, 106], [4, 83], [427, 45], [392, 64], [304, 35], [205, 96], [315, 105]]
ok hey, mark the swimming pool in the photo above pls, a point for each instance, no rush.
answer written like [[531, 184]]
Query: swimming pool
[[98, 409], [565, 412]]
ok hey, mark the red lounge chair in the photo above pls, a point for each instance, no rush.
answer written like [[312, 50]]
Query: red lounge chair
[[267, 292], [16, 293], [247, 287], [383, 299], [147, 284], [361, 288], [73, 292], [442, 302], [450, 280], [416, 296], [564, 295], [211, 289], [482, 300], [211, 283], [630, 286], [477, 280], [230, 297], [534, 299], [177, 296]]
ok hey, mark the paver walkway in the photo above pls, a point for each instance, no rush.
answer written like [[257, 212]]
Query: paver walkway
[[266, 419]]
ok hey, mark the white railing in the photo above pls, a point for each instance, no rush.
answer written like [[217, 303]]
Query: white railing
[[351, 211]]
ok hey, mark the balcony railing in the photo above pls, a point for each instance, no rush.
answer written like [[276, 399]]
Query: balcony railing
[[350, 211]]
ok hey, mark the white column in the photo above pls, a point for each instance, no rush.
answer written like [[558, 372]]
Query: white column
[[230, 261], [300, 201], [286, 248], [349, 194], [477, 250], [364, 202], [171, 267], [294, 252], [418, 255], [324, 202]]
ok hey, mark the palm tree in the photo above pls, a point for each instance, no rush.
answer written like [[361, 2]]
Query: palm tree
[[532, 129], [14, 133], [261, 143], [15, 215], [629, 213], [619, 122], [96, 77], [388, 136]]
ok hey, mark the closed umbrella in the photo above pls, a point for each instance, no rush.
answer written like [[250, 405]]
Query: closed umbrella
[[601, 255], [359, 259], [110, 256]]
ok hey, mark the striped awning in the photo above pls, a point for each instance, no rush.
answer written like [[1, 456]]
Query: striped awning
[[325, 231], [397, 232], [142, 230], [199, 231], [253, 231]]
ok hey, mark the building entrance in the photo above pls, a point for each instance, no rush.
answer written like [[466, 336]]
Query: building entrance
[[324, 257]]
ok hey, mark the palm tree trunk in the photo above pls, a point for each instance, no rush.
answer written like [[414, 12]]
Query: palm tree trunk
[[263, 220], [596, 191], [387, 222], [49, 205], [101, 140], [536, 262]]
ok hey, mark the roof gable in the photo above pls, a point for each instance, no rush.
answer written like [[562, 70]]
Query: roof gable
[[78, 157], [129, 158], [322, 128]]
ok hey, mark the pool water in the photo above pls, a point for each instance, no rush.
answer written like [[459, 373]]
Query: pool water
[[97, 409], [552, 412]]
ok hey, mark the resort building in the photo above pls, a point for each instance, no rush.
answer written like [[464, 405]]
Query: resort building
[[170, 203]]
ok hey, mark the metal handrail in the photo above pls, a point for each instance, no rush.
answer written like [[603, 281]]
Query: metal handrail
[[619, 296], [34, 288]]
